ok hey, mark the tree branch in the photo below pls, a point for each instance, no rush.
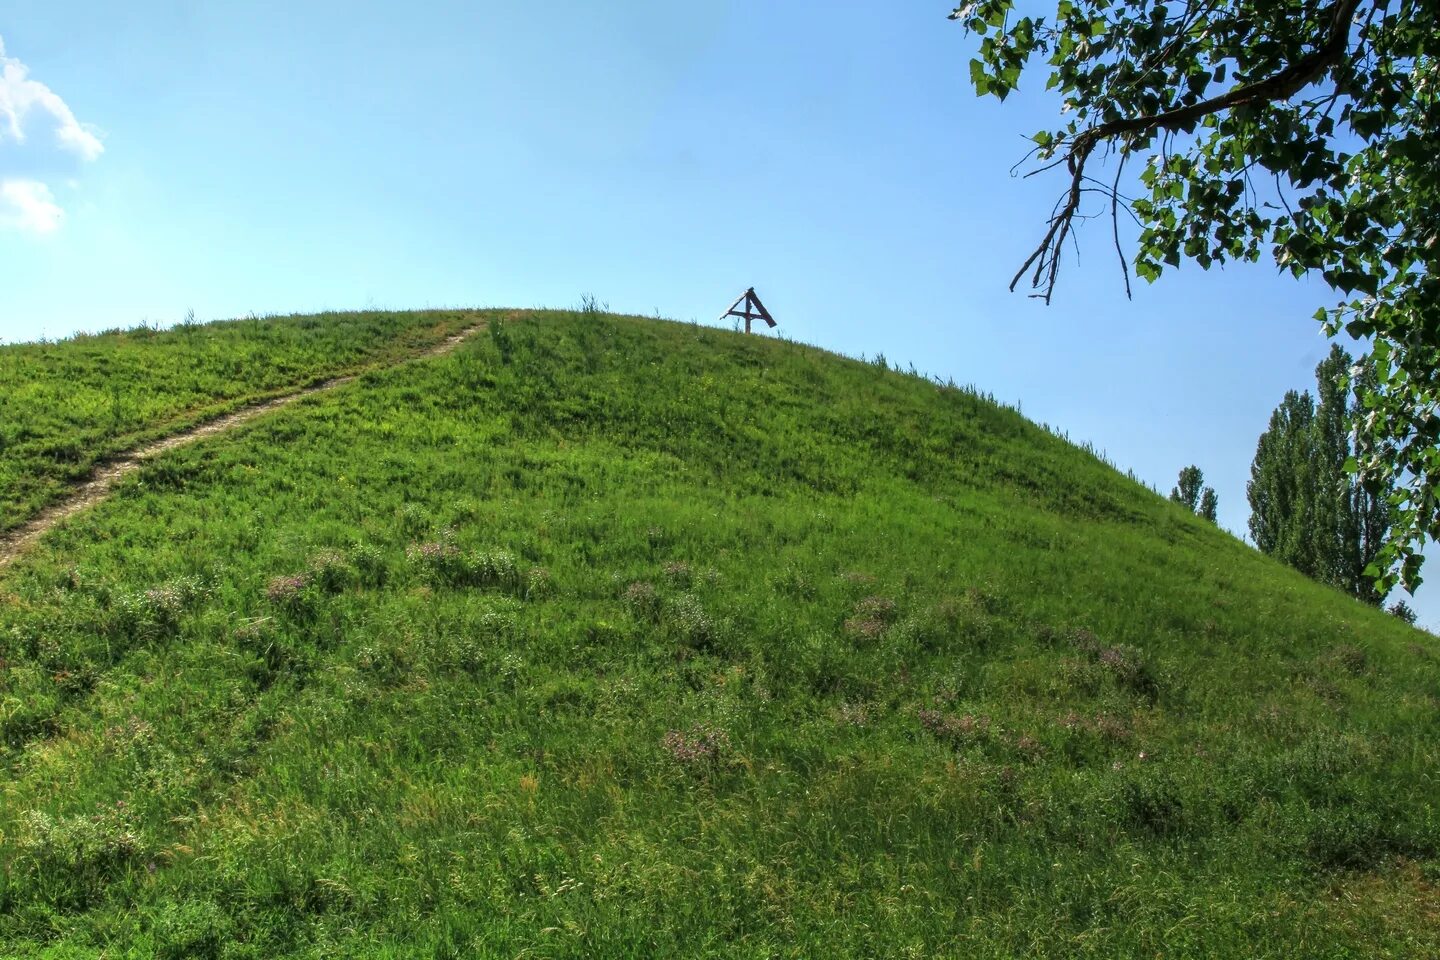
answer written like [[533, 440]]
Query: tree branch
[[1279, 86]]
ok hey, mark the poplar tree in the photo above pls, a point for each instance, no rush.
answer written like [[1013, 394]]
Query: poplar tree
[[1308, 507], [1188, 492], [1282, 481]]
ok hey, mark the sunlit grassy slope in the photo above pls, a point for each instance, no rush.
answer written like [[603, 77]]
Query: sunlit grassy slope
[[608, 637], [65, 405]]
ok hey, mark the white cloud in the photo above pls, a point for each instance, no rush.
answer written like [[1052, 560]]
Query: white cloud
[[20, 97], [30, 206]]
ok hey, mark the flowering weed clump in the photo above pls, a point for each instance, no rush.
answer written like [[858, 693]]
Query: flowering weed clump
[[700, 746], [442, 563], [677, 574], [438, 561], [687, 618], [495, 568], [1348, 657], [642, 600], [290, 593], [70, 860], [413, 518], [369, 564], [384, 663], [1130, 670], [283, 589], [853, 714], [1125, 665], [871, 617], [961, 729], [793, 581], [155, 612], [1101, 726], [330, 571], [539, 584], [1151, 802]]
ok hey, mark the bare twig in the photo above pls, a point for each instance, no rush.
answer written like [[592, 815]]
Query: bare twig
[[1115, 225]]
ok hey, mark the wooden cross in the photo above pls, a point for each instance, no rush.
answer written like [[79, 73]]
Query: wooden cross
[[754, 309]]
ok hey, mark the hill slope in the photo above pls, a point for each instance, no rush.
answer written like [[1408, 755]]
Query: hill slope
[[67, 406], [609, 637]]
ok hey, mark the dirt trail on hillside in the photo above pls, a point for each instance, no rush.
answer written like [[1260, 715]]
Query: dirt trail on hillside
[[111, 472]]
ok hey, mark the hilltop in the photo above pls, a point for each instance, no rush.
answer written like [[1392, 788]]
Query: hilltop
[[602, 636]]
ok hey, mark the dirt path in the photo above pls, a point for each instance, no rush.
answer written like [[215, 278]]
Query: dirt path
[[111, 472]]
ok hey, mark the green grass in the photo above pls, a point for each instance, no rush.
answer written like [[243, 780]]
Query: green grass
[[67, 405], [621, 638]]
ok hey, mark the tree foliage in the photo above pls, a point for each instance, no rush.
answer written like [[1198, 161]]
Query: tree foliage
[[1402, 610], [1302, 129], [1307, 508], [1209, 505], [1281, 479], [1191, 493], [1187, 490]]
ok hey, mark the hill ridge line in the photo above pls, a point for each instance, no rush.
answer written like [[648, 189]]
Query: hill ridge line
[[106, 475]]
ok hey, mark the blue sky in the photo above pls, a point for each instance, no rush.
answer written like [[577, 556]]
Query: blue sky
[[280, 157]]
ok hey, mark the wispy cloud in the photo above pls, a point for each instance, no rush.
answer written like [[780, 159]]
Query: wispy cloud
[[29, 205], [24, 101], [30, 111]]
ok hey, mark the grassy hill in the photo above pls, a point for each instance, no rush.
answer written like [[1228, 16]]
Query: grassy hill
[[611, 637], [66, 406]]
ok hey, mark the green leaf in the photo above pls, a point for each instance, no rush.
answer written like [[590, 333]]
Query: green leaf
[[979, 78]]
